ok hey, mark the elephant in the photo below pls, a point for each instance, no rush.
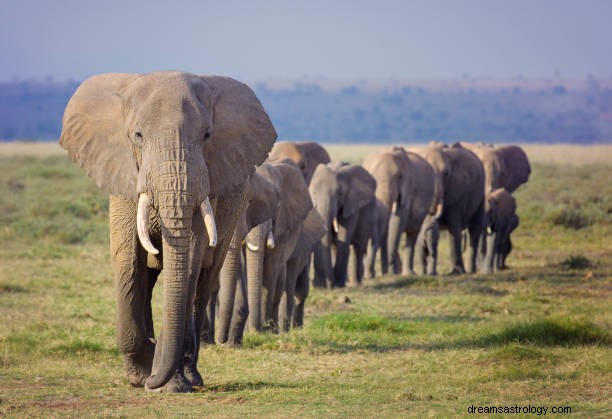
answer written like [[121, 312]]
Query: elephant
[[291, 313], [505, 167], [427, 243], [306, 154], [230, 302], [500, 209], [174, 151], [405, 185], [459, 197], [266, 266], [344, 196], [378, 241]]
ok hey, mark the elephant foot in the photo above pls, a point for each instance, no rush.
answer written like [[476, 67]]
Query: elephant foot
[[457, 271], [177, 384], [138, 366], [193, 376]]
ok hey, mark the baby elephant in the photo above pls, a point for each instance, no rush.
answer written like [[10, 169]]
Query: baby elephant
[[500, 209]]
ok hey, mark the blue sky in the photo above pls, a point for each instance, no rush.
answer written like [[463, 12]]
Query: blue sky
[[291, 39]]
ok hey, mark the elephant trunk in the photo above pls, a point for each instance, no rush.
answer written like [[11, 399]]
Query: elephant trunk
[[254, 261], [176, 240], [177, 190], [324, 273], [229, 277]]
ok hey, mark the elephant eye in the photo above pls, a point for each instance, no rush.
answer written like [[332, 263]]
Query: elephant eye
[[138, 138], [208, 133]]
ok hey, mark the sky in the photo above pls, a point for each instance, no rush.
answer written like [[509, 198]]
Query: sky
[[334, 39]]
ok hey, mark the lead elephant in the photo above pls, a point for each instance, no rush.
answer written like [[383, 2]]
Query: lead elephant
[[459, 191], [174, 151], [306, 154], [344, 196], [500, 208], [267, 266], [405, 185]]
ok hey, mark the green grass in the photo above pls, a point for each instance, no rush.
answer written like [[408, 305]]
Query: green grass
[[538, 333]]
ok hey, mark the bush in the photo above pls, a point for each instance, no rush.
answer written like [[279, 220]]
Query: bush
[[576, 262], [570, 218]]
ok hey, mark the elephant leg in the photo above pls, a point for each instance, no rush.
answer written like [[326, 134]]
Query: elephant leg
[[353, 268], [475, 232], [384, 255], [370, 259], [454, 233], [433, 238], [241, 313], [287, 302], [152, 275], [323, 268], [301, 293], [281, 283], [131, 291], [271, 272], [408, 262], [340, 267]]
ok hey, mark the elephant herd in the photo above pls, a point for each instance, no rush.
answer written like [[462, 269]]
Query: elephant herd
[[199, 188]]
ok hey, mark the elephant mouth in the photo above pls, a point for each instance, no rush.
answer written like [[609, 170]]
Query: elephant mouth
[[142, 222]]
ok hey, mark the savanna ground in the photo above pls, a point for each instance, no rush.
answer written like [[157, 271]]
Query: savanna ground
[[537, 334]]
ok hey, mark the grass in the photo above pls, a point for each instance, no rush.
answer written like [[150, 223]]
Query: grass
[[536, 334]]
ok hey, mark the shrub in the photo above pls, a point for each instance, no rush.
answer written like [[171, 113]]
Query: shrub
[[576, 262]]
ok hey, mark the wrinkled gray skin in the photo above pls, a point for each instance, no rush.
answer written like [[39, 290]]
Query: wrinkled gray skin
[[266, 266], [505, 167], [377, 242], [229, 304], [459, 187], [344, 196], [291, 313], [307, 155], [171, 141], [500, 209], [405, 185]]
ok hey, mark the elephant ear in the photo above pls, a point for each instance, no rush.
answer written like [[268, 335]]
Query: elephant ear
[[295, 199], [314, 228], [361, 191], [94, 134], [242, 133]]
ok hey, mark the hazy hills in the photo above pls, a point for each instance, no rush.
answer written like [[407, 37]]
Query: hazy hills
[[519, 110]]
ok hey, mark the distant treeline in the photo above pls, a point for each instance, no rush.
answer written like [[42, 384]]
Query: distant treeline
[[553, 112]]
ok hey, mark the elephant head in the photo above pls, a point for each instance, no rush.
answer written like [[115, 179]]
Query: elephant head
[[306, 155], [505, 167], [517, 167], [338, 192], [437, 156], [172, 141]]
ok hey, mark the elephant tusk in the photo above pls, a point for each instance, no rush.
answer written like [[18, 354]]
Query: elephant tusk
[[270, 240], [335, 224], [489, 230], [252, 247], [439, 209], [142, 223], [209, 222], [394, 207]]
